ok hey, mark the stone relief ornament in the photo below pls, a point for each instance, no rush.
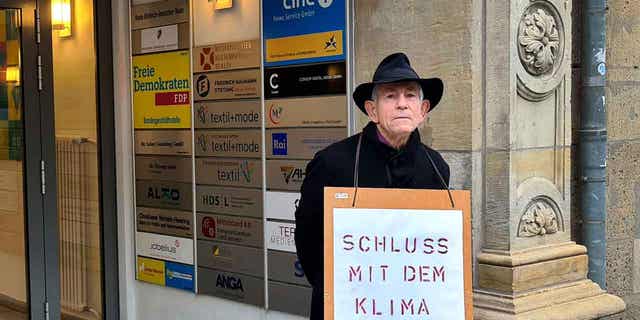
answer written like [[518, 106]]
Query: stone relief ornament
[[540, 218], [539, 40]]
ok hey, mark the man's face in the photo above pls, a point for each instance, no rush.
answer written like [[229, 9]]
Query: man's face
[[398, 109]]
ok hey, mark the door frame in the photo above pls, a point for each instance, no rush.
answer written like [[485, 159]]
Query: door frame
[[48, 156], [107, 157]]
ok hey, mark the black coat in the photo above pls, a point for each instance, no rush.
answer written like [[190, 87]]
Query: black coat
[[380, 167]]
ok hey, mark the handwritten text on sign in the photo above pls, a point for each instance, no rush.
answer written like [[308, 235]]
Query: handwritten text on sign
[[397, 263]]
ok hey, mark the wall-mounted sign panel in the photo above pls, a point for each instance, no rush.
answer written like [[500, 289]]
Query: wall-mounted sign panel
[[235, 230], [231, 201], [233, 286], [168, 222], [158, 39], [163, 142], [307, 46], [168, 195], [228, 257], [161, 90], [229, 143], [301, 143], [229, 172], [164, 247], [150, 270], [307, 80], [289, 298], [227, 56], [285, 174], [280, 236], [159, 13], [227, 84], [179, 276], [228, 114], [163, 168], [281, 205], [307, 112], [303, 31], [285, 267]]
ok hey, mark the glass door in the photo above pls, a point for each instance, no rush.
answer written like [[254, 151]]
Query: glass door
[[76, 158], [51, 190], [13, 253]]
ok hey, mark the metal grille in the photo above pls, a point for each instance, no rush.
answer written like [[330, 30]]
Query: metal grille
[[72, 159]]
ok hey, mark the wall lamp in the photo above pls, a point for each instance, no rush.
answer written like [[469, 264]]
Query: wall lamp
[[12, 74], [223, 4], [61, 17]]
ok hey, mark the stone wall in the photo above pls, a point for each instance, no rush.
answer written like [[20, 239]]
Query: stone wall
[[436, 37], [623, 125], [623, 193], [445, 39], [623, 164]]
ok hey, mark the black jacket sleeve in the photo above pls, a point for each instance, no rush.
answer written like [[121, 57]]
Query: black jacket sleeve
[[309, 220]]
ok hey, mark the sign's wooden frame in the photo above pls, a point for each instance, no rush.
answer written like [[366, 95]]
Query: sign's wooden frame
[[376, 198]]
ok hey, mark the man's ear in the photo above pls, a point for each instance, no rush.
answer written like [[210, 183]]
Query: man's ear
[[425, 107], [372, 112]]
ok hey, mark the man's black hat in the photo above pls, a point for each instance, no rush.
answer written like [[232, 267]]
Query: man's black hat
[[397, 68]]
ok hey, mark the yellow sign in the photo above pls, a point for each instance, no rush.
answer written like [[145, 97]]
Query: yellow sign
[[314, 45], [161, 90], [151, 270]]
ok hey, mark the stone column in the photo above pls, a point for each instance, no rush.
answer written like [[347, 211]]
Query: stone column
[[528, 267]]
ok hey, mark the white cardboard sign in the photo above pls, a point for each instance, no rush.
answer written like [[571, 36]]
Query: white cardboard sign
[[398, 264]]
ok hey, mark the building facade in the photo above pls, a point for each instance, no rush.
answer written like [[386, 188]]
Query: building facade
[[180, 130]]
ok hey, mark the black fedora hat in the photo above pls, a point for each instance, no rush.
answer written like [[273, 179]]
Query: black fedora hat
[[397, 68]]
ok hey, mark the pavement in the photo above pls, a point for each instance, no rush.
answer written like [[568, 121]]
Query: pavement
[[631, 313]]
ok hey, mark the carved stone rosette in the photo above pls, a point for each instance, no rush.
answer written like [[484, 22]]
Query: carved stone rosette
[[540, 218], [540, 42]]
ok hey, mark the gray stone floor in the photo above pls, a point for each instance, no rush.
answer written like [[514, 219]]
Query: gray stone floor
[[8, 314], [632, 312]]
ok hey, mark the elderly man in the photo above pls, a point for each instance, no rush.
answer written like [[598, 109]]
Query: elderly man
[[386, 154]]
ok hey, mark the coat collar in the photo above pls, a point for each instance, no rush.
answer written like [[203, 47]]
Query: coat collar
[[370, 133]]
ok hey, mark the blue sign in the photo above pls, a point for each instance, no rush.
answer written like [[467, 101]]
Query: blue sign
[[279, 143], [303, 31], [179, 276]]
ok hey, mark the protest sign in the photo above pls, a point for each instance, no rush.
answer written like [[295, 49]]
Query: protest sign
[[397, 254]]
